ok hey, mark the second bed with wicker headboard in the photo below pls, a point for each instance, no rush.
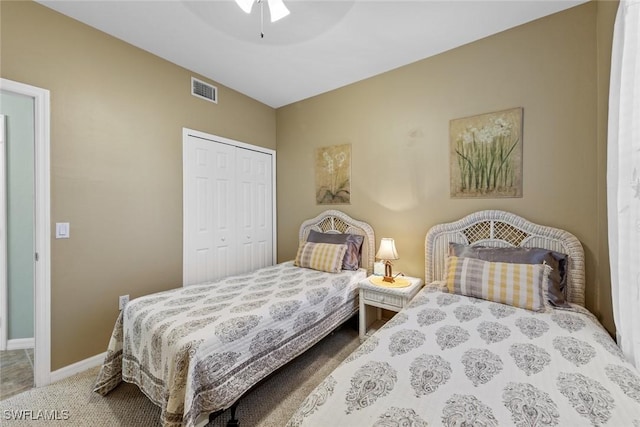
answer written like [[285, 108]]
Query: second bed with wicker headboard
[[494, 228], [451, 359]]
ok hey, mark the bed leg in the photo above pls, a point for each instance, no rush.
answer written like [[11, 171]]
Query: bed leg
[[233, 422]]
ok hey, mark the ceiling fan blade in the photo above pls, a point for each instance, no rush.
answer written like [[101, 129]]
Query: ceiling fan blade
[[245, 5], [277, 9]]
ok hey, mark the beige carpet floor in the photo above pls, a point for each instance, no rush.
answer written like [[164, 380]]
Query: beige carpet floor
[[270, 404]]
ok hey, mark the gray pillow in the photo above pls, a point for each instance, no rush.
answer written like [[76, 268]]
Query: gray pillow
[[556, 260], [351, 260]]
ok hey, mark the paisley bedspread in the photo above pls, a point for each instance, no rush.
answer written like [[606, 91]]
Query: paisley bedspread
[[453, 360], [196, 350]]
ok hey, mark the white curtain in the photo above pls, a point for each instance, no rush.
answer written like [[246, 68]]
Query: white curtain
[[623, 178]]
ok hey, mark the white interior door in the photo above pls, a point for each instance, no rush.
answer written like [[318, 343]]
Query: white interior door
[[4, 297], [255, 210], [209, 210]]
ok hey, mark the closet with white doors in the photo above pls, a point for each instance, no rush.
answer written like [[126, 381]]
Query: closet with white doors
[[228, 207]]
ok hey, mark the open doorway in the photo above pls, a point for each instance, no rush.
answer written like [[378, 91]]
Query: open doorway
[[17, 243], [25, 231]]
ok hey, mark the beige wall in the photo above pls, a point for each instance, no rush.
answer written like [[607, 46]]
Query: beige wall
[[117, 114], [556, 68], [602, 278]]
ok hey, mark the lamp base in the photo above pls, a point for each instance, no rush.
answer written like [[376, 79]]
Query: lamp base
[[388, 275]]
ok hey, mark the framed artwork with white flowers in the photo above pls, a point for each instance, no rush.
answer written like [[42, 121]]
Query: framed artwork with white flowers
[[486, 155], [333, 175]]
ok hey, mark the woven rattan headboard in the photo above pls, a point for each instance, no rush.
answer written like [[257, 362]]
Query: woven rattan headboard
[[503, 229], [334, 221]]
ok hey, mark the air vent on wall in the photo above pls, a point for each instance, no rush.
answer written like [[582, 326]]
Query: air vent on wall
[[204, 90]]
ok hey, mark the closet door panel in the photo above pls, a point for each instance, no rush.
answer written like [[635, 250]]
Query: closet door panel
[[199, 232], [202, 231], [209, 199], [245, 226], [255, 209], [223, 201]]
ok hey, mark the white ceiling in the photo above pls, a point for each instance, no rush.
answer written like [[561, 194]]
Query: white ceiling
[[322, 45]]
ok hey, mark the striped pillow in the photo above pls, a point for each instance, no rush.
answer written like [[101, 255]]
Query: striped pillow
[[320, 256], [519, 285]]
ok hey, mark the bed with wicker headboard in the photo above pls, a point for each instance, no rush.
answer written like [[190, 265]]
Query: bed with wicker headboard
[[196, 350], [494, 228], [451, 358], [336, 222]]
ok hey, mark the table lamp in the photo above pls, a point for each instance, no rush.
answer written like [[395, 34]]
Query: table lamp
[[387, 253]]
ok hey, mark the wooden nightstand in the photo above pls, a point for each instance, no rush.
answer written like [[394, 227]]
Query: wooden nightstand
[[375, 297]]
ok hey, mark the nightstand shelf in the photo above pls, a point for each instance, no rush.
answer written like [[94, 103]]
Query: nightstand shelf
[[374, 298], [373, 327]]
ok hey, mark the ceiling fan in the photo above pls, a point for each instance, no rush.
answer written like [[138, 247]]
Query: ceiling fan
[[277, 9]]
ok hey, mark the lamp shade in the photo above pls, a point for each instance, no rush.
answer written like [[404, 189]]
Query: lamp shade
[[387, 249]]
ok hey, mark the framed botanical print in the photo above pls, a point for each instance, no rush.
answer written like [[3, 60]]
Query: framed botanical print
[[486, 155], [333, 175]]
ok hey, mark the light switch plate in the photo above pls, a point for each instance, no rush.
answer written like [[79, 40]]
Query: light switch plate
[[62, 230]]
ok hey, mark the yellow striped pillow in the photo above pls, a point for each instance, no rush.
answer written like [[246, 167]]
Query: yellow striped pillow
[[519, 285], [320, 256]]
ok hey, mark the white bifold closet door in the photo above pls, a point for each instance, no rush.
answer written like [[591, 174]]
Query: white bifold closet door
[[228, 209], [254, 210]]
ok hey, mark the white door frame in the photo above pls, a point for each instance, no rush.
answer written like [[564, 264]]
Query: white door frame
[[42, 286], [4, 305], [186, 132]]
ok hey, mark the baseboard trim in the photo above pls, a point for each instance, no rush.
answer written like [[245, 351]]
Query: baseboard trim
[[20, 343], [76, 368]]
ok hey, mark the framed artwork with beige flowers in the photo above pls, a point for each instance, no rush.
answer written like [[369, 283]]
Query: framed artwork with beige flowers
[[486, 155]]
